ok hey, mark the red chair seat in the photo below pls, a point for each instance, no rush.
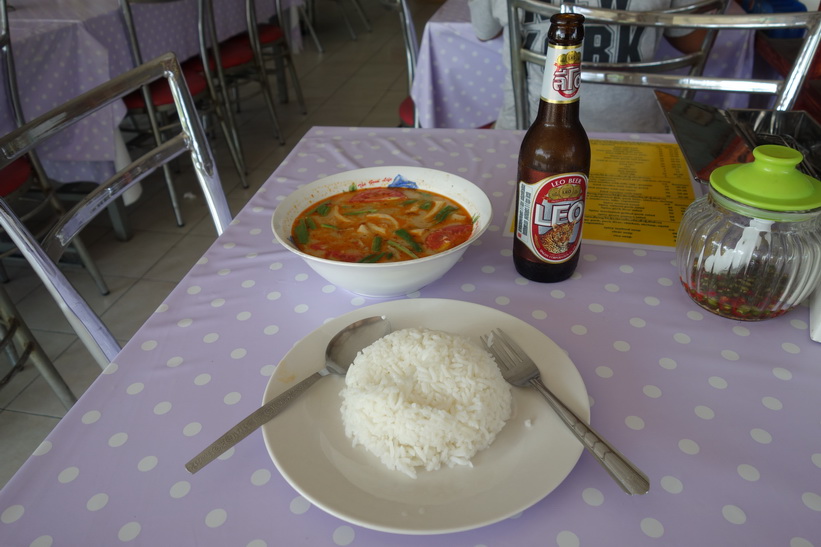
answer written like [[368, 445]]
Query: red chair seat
[[407, 111], [13, 176], [161, 93], [269, 34]]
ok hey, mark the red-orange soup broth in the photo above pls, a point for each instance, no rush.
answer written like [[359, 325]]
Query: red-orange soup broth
[[381, 225]]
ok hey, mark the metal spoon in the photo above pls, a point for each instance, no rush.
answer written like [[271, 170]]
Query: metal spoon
[[339, 356]]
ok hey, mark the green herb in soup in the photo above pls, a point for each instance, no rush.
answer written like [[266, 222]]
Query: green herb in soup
[[381, 225]]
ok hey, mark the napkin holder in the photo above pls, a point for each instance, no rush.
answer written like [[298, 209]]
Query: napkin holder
[[710, 137]]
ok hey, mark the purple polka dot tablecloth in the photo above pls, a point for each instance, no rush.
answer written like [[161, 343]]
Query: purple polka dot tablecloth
[[63, 49], [723, 416], [458, 80]]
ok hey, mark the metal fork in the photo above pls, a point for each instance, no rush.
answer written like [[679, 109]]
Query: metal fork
[[520, 370]]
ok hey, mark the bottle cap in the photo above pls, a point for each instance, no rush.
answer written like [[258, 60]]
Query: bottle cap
[[771, 181]]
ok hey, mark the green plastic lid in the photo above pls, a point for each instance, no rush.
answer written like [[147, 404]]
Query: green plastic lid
[[770, 182]]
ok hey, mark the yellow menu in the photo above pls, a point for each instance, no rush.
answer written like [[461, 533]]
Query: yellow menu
[[637, 194]]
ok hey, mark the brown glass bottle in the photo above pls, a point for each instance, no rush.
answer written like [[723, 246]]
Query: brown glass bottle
[[554, 164]]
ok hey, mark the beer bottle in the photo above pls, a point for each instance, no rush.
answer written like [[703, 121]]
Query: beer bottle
[[554, 164]]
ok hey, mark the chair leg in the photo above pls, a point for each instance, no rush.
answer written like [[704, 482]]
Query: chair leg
[[346, 19], [90, 265], [169, 179], [365, 21], [20, 333], [310, 26]]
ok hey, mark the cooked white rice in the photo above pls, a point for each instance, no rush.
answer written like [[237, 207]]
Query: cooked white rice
[[424, 398]]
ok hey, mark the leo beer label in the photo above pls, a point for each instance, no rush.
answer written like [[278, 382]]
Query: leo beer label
[[549, 215], [565, 63]]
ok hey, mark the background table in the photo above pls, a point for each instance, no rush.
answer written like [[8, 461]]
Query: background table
[[723, 416], [458, 81], [65, 48]]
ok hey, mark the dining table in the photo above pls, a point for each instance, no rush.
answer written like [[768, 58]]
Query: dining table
[[458, 78], [63, 49], [721, 415]]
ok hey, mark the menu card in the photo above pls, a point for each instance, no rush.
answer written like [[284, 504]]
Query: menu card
[[637, 194]]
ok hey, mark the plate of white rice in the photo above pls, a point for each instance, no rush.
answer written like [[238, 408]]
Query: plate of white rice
[[481, 456]]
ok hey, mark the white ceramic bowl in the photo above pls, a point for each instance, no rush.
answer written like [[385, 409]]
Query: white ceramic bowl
[[392, 278]]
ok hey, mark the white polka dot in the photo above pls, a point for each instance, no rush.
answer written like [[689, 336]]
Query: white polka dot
[[652, 391], [174, 362], [566, 538], [275, 295], [111, 369], [12, 514], [761, 436], [502, 300], [772, 403], [194, 289], [301, 308], [42, 449], [238, 353], [48, 541], [638, 322], [468, 287], [811, 500], [634, 422], [717, 382], [557, 294], [216, 518], [672, 485], [129, 531], [224, 271], [192, 429], [652, 528], [488, 269], [590, 258], [248, 283], [260, 477], [705, 412], [799, 324], [148, 345], [733, 514], [162, 408], [782, 373], [689, 446], [729, 355], [539, 314], [741, 331], [135, 388], [97, 502], [604, 372], [232, 398], [665, 281], [257, 543], [210, 338], [299, 505], [344, 535], [202, 379], [267, 370], [68, 474], [621, 345], [790, 348], [184, 323], [800, 542], [681, 338], [748, 472], [91, 417], [611, 287], [578, 329], [695, 315], [117, 440], [652, 301], [180, 489], [596, 308], [328, 289], [147, 464], [217, 302], [592, 496], [816, 459], [666, 362], [271, 329]]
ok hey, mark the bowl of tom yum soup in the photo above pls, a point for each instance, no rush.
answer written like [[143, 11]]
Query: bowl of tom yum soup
[[383, 231]]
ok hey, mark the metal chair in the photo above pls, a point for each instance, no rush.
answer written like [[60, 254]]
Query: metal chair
[[651, 75], [189, 140], [19, 345], [24, 184], [407, 110]]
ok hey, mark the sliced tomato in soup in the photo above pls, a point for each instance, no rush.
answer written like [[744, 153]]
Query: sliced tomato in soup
[[449, 236], [376, 194]]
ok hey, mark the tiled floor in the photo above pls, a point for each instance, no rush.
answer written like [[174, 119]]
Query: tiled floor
[[354, 83]]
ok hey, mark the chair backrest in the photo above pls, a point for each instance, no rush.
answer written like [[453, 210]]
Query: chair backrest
[[655, 74], [785, 91], [43, 256]]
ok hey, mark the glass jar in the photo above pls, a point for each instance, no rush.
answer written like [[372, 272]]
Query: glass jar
[[751, 248]]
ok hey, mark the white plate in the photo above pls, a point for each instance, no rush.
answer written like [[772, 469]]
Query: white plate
[[530, 457]]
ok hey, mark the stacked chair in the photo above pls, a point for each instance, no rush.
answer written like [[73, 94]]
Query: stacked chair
[[657, 74], [188, 140]]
